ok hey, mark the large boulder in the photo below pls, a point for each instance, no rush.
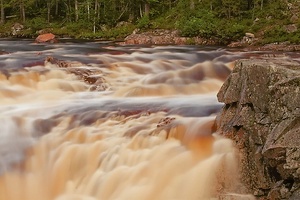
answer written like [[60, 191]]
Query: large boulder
[[47, 37], [17, 28], [262, 116]]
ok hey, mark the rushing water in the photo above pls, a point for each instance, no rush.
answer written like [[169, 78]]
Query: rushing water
[[114, 123]]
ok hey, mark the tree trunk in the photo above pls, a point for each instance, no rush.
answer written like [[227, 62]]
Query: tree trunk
[[56, 7], [192, 5], [88, 10], [48, 11], [261, 4], [2, 20], [141, 12], [76, 11], [147, 9], [69, 10], [22, 11], [95, 14]]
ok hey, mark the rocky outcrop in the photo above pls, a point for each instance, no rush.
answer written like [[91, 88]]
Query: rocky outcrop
[[262, 116], [165, 37], [284, 46], [90, 75], [16, 28]]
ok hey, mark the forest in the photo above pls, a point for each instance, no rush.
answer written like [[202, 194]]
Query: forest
[[224, 20]]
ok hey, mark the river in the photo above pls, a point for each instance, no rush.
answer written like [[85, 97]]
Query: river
[[98, 120]]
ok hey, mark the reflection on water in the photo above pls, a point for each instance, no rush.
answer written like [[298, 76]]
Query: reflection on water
[[102, 121]]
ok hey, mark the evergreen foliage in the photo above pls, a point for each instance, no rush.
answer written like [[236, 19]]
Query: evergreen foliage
[[225, 20]]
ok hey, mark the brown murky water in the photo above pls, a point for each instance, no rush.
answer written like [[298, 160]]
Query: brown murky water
[[145, 131]]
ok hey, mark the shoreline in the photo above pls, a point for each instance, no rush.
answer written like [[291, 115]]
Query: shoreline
[[146, 38]]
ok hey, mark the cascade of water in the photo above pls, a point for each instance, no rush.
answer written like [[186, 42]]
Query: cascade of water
[[123, 123]]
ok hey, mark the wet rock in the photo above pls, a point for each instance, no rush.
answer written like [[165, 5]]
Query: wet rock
[[47, 37], [283, 46], [165, 121], [262, 116], [51, 61], [90, 75], [43, 126], [3, 52]]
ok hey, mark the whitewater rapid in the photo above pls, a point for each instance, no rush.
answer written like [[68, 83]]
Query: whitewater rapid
[[94, 120]]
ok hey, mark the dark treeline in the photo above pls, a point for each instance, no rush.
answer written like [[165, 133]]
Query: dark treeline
[[224, 19]]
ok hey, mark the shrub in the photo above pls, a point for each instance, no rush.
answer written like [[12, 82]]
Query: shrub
[[197, 27], [230, 31], [143, 23]]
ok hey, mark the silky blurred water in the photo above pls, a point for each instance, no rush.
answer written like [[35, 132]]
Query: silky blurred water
[[115, 122]]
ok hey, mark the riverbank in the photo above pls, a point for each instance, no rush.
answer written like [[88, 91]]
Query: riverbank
[[165, 37], [128, 34]]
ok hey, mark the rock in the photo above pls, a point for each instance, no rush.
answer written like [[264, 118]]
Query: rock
[[122, 23], [283, 46], [291, 28], [104, 27], [163, 37], [294, 18], [3, 52], [236, 44], [262, 116], [16, 28], [90, 75], [135, 31], [47, 37], [249, 38], [249, 35]]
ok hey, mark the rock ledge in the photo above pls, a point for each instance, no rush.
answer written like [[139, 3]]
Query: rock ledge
[[262, 116]]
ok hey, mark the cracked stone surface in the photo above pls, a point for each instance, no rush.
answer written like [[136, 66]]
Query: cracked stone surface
[[262, 116]]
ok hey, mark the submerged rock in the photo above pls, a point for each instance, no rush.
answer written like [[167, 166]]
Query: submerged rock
[[262, 116], [90, 75]]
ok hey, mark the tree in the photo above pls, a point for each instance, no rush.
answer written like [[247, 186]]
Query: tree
[[230, 7], [2, 20], [22, 11], [48, 11], [95, 14], [76, 11], [192, 4]]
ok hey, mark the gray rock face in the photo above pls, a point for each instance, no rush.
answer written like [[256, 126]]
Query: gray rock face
[[262, 115]]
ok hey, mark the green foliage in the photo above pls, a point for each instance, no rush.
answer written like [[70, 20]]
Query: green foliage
[[278, 34], [203, 24], [230, 31], [144, 22], [224, 20], [190, 41], [36, 23]]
